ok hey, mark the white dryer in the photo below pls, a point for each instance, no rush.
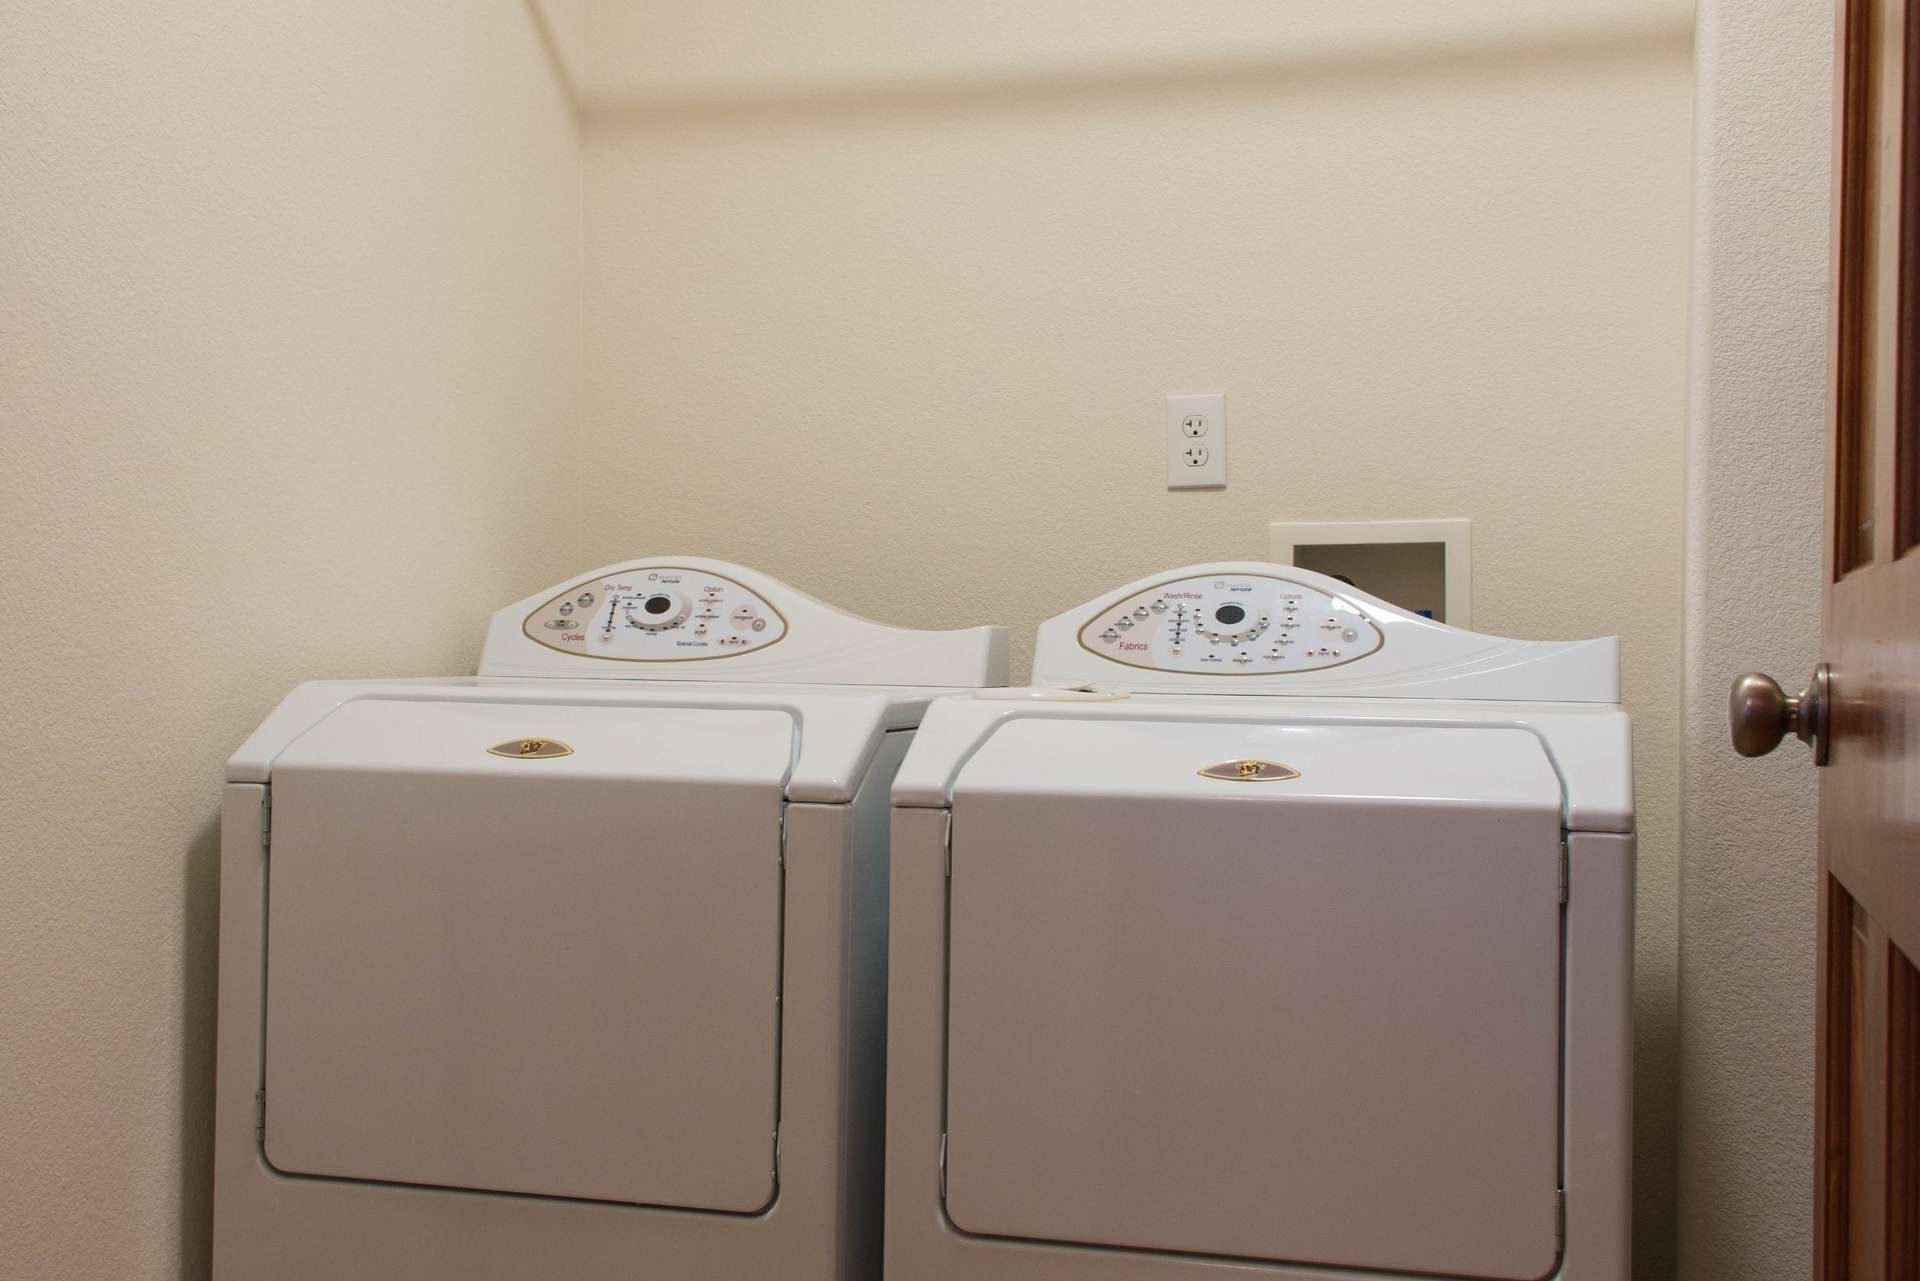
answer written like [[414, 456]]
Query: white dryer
[[574, 969], [1277, 933]]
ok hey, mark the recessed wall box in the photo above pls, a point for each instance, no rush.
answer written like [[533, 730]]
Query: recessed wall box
[[1421, 565]]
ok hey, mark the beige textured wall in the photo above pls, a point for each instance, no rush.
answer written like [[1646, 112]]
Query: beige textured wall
[[289, 324], [1755, 456], [889, 307]]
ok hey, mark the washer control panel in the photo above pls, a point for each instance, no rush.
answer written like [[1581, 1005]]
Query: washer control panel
[[1237, 625], [657, 614]]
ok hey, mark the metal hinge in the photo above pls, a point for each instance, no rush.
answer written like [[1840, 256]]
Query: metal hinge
[[943, 1165], [783, 841], [1566, 872], [776, 1154], [946, 842], [260, 1115], [1560, 1218], [266, 819]]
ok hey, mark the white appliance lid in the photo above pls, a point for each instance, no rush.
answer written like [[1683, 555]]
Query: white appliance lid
[[1587, 746], [530, 949], [575, 741], [1374, 765], [836, 729], [1305, 1015]]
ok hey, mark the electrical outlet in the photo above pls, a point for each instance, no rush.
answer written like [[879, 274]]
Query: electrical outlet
[[1197, 441]]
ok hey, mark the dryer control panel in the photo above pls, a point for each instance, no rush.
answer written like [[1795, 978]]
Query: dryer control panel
[[1232, 625], [657, 614], [674, 618]]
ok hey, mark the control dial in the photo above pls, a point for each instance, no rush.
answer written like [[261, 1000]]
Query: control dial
[[1231, 624], [656, 611]]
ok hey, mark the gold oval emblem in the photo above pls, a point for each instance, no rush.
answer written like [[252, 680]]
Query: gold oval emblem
[[1250, 772], [531, 749]]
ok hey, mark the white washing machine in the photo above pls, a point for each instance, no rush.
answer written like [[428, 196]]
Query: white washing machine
[[574, 969], [1278, 933]]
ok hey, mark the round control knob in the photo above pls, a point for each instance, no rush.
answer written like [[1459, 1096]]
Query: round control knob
[[656, 611], [1230, 624]]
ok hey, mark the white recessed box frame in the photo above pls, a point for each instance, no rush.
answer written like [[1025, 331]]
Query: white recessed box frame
[[1285, 538]]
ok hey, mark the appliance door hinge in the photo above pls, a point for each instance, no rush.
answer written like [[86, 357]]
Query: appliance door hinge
[[266, 818], [783, 838], [943, 1165], [947, 844], [260, 1115], [1560, 1219], [1566, 871]]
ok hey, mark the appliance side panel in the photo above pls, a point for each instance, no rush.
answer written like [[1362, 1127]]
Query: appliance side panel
[[864, 1098], [833, 1034], [237, 1168], [919, 1242], [1599, 1057]]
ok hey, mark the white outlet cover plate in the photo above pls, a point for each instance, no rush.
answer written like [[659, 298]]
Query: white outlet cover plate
[[1197, 441]]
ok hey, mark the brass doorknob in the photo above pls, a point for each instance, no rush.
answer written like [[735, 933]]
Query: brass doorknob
[[1760, 714]]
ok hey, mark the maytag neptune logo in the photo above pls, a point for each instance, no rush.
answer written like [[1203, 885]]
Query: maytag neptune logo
[[531, 749], [1250, 771]]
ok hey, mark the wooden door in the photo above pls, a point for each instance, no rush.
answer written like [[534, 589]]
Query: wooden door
[[1867, 1217]]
